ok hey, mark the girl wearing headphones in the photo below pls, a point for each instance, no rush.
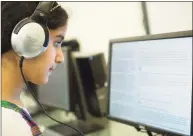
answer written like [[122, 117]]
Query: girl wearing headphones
[[37, 40]]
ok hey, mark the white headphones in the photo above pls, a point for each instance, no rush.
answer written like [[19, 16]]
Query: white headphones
[[30, 37]]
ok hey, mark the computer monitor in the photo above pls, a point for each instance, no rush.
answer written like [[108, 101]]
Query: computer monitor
[[150, 82], [92, 70]]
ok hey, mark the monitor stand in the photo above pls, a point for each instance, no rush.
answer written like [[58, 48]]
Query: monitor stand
[[84, 126], [144, 131], [151, 133]]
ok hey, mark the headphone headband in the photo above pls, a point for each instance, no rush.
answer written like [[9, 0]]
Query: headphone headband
[[42, 11]]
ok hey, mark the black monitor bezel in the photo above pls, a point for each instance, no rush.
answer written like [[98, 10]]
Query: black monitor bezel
[[179, 34]]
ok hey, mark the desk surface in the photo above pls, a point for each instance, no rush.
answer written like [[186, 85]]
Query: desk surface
[[112, 129]]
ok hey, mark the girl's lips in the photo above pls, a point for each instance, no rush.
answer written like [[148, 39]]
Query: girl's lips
[[51, 69]]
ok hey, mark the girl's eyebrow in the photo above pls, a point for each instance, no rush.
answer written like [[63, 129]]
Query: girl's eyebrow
[[60, 36]]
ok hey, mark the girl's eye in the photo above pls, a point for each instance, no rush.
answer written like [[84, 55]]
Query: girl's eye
[[57, 44]]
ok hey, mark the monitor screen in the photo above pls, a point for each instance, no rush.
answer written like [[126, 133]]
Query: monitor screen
[[56, 93], [150, 83]]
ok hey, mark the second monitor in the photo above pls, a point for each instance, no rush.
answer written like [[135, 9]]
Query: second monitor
[[92, 69]]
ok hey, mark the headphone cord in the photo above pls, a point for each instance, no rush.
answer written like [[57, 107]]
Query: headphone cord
[[21, 66]]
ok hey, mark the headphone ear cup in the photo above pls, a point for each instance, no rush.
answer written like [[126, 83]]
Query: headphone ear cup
[[29, 39]]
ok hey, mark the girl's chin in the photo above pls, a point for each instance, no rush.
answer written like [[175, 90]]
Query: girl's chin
[[45, 81], [46, 78]]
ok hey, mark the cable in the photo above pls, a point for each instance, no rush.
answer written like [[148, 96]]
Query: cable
[[21, 66]]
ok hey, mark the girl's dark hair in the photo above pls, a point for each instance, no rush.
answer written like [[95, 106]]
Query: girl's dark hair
[[15, 11]]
